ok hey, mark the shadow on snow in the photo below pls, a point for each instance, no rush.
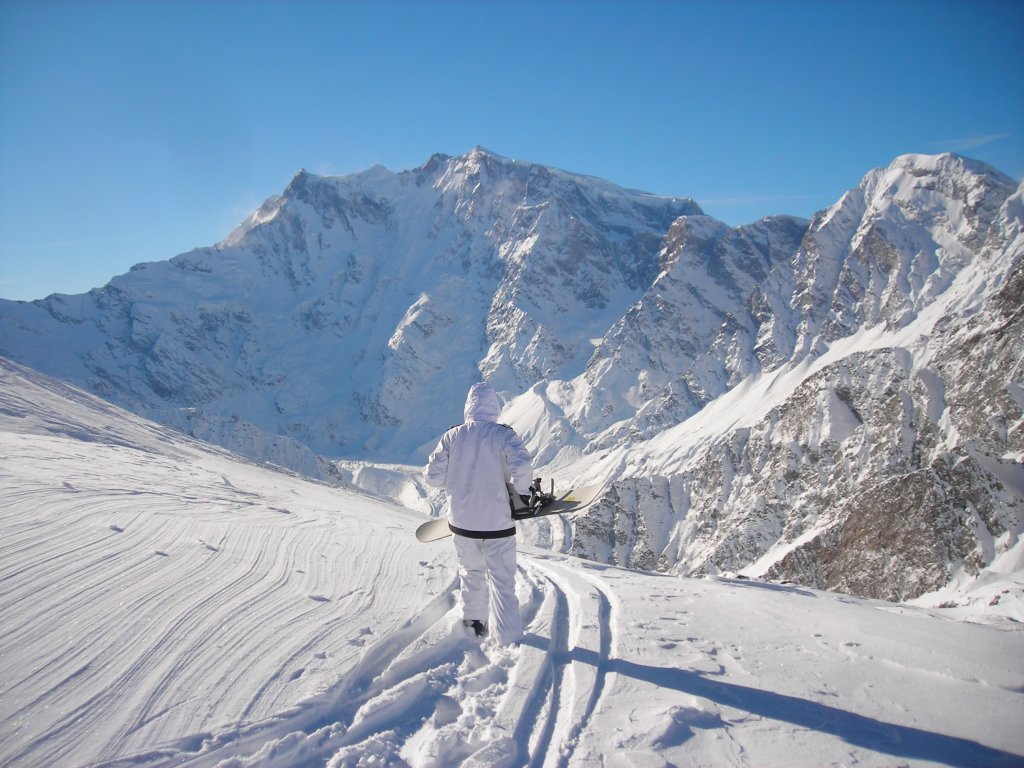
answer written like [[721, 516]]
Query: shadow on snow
[[859, 730]]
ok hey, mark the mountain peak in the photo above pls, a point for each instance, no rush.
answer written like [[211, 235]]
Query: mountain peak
[[479, 152], [948, 163]]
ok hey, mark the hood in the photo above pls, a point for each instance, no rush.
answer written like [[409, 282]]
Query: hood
[[482, 403]]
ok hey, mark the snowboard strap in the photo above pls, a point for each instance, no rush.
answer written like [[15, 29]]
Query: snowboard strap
[[482, 534]]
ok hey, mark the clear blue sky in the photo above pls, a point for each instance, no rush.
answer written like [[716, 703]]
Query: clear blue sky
[[134, 131]]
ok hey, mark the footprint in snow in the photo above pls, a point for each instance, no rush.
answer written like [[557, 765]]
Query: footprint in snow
[[362, 639], [446, 711], [682, 724]]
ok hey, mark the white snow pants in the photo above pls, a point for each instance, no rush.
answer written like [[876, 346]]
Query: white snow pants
[[487, 567]]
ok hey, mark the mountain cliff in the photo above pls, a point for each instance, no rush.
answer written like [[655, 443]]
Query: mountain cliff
[[345, 314], [864, 431], [837, 402]]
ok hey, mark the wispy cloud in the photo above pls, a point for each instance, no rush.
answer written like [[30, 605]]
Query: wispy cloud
[[970, 142]]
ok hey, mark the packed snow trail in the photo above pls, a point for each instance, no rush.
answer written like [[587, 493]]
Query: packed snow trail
[[164, 603]]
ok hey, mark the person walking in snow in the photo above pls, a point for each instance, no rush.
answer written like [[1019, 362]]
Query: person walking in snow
[[472, 462]]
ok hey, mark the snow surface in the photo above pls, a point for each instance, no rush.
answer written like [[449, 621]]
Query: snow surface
[[167, 603]]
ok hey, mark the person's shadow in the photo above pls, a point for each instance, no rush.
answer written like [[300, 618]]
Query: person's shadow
[[897, 740]]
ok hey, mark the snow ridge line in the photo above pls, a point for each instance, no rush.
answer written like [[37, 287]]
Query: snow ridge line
[[602, 666], [547, 689], [570, 659]]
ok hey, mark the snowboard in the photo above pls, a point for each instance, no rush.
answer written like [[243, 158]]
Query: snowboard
[[570, 501]]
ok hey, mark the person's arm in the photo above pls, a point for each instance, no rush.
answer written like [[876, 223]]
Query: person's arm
[[436, 472], [517, 459]]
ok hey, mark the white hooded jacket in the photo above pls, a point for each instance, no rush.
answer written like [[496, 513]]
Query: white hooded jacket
[[473, 461]]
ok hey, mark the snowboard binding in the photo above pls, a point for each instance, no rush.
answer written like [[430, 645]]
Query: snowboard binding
[[525, 507]]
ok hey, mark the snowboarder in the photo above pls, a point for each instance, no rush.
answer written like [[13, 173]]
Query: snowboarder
[[472, 462]]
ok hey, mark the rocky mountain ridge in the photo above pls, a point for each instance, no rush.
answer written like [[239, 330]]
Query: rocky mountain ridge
[[883, 455], [837, 402]]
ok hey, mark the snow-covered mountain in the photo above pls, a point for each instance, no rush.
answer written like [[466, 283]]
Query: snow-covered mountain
[[166, 603], [836, 402], [873, 436], [350, 315]]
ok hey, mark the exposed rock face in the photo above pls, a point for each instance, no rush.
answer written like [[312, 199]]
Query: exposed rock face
[[879, 450]]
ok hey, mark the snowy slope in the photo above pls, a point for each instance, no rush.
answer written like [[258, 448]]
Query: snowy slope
[[166, 603]]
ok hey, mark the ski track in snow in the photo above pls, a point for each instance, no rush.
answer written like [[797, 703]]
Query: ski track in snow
[[167, 604]]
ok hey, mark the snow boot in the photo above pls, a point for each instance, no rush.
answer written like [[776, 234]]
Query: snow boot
[[478, 626]]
